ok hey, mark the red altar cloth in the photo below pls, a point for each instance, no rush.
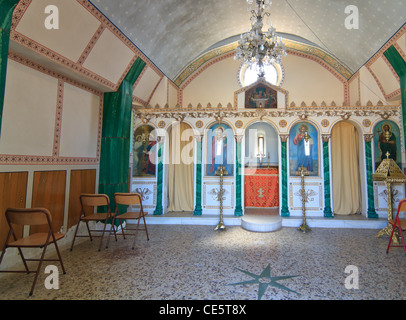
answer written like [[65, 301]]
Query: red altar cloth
[[261, 188]]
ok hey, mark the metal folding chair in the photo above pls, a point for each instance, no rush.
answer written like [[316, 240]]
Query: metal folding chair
[[399, 225], [129, 199], [93, 201], [31, 217]]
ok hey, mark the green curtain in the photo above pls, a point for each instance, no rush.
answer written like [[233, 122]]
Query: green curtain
[[399, 64], [6, 16], [116, 136]]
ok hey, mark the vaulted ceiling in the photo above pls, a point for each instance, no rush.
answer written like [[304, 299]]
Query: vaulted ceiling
[[172, 33]]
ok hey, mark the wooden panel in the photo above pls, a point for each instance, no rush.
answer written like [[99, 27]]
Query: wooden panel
[[81, 181], [13, 191], [49, 192]]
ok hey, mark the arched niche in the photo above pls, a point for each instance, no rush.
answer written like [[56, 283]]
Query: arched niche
[[304, 151], [219, 149], [261, 145], [387, 141]]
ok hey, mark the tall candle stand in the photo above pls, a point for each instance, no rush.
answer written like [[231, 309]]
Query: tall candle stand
[[303, 172], [221, 172]]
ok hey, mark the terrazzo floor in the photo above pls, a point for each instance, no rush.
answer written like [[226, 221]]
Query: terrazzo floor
[[198, 263]]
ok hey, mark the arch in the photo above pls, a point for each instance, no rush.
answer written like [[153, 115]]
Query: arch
[[390, 145], [219, 153], [355, 123], [271, 143], [264, 119], [261, 174], [304, 152], [313, 123], [212, 123]]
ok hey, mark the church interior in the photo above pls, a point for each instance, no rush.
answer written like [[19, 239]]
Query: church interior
[[267, 179]]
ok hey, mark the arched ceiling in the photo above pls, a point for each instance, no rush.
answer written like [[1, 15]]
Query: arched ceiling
[[172, 33]]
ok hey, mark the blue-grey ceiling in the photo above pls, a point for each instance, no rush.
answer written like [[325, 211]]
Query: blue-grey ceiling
[[174, 32]]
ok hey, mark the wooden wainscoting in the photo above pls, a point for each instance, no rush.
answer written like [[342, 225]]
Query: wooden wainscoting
[[13, 193], [49, 192], [81, 181]]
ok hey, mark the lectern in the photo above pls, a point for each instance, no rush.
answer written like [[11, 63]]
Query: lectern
[[389, 172]]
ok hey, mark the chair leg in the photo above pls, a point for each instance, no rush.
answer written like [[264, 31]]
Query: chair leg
[[146, 230], [390, 239], [114, 231], [101, 238], [74, 237], [3, 253], [104, 230], [38, 269], [24, 262], [122, 229], [136, 232], [5, 246], [111, 228], [59, 256], [403, 241], [88, 230]]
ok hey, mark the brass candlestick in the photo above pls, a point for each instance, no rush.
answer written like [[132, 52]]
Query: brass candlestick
[[221, 172], [303, 172]]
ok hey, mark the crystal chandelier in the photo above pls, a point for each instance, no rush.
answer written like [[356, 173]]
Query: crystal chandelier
[[257, 47]]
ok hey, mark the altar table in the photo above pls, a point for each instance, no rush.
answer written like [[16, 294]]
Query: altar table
[[261, 187]]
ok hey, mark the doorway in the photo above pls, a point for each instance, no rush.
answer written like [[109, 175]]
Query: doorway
[[181, 168], [345, 154], [261, 186]]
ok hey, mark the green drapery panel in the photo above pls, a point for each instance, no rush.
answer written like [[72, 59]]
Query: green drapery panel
[[285, 208], [198, 207], [399, 64], [159, 210], [370, 183], [238, 179], [6, 16], [116, 133], [328, 213]]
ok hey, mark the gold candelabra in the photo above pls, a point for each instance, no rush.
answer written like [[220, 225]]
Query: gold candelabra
[[221, 172], [303, 172]]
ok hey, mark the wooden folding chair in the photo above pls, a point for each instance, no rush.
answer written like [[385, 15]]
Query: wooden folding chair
[[93, 201], [31, 217], [129, 199], [399, 225]]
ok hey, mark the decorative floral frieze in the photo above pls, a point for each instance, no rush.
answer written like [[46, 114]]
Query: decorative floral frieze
[[345, 113]]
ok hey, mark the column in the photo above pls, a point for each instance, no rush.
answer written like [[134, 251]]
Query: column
[[328, 213], [238, 177], [159, 209], [285, 208], [370, 183], [6, 16], [116, 132], [198, 185]]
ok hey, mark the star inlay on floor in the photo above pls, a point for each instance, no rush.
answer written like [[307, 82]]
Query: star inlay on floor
[[264, 280]]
